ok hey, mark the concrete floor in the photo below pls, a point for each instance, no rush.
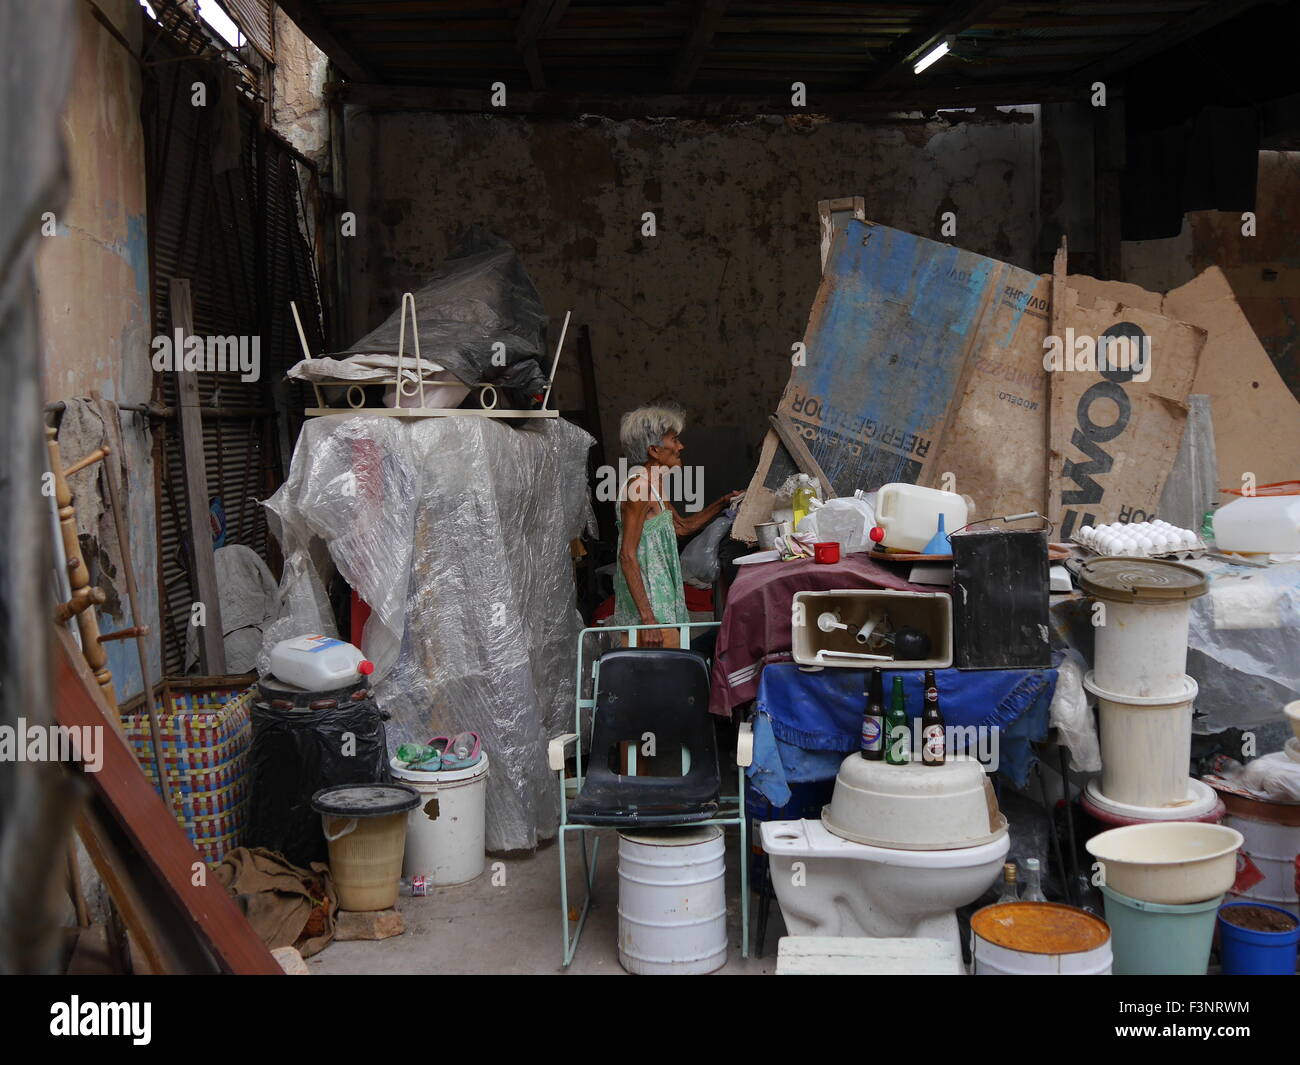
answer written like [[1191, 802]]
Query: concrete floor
[[514, 926]]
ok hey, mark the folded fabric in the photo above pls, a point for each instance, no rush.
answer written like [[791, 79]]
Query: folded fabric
[[287, 906]]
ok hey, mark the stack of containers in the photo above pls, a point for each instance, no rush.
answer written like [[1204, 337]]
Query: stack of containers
[[1143, 692]]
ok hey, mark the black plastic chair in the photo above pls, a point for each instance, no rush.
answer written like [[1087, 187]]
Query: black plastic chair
[[650, 696], [643, 695]]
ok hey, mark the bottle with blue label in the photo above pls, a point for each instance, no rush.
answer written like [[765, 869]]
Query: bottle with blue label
[[873, 721], [318, 663]]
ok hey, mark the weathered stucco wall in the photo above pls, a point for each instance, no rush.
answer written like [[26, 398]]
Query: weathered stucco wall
[[706, 311], [93, 285]]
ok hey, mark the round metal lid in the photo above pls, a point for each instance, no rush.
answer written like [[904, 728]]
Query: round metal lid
[[1040, 927], [365, 800], [1141, 580]]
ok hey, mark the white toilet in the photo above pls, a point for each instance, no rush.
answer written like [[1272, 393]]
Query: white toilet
[[854, 889], [897, 851]]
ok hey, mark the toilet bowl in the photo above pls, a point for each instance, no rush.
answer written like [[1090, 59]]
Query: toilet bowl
[[830, 886]]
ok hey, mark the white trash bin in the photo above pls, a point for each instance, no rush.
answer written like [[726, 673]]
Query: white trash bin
[[446, 832], [672, 904]]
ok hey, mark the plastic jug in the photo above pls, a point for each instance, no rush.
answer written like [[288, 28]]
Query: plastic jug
[[1259, 525], [907, 515], [318, 663]]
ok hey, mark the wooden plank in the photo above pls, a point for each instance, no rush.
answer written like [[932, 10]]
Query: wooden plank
[[162, 884], [803, 458], [708, 15], [212, 651], [868, 104], [1055, 397]]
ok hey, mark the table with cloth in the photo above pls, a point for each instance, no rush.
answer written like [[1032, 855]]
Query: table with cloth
[[805, 722]]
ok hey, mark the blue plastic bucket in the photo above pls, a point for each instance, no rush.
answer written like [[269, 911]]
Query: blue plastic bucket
[[1246, 952], [1155, 939]]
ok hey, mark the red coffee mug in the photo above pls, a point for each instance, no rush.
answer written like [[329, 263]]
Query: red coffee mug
[[826, 553]]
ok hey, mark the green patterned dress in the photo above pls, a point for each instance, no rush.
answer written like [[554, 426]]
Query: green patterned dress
[[661, 571]]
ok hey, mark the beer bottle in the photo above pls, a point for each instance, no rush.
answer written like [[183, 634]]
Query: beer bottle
[[873, 721], [932, 732], [898, 736]]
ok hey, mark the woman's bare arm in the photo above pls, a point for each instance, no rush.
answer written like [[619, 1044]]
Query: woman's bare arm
[[684, 526]]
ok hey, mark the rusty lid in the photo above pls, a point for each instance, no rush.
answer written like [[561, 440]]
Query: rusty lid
[[1040, 927], [1141, 580]]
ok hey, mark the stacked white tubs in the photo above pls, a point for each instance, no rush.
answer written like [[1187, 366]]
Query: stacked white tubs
[[1144, 695]]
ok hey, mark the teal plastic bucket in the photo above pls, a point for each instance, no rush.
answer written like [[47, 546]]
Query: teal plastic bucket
[[1154, 939]]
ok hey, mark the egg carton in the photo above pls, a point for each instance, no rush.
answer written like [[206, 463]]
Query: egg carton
[[1196, 550]]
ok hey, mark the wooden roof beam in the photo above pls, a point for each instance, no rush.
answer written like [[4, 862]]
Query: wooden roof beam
[[708, 15], [306, 17], [537, 19]]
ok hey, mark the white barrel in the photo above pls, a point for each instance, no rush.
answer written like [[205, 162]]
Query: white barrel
[[672, 903], [1039, 939], [446, 832], [1142, 648], [1146, 744], [1271, 850]]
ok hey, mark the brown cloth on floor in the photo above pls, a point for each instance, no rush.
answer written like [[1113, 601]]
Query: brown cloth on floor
[[287, 906]]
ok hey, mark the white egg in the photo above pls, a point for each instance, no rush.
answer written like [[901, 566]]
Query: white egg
[[1145, 544], [1086, 532], [1189, 538]]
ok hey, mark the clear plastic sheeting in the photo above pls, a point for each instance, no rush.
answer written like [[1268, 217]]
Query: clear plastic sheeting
[[479, 298], [456, 532], [1244, 644]]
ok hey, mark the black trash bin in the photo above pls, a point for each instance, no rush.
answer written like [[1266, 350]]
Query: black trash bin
[[303, 742]]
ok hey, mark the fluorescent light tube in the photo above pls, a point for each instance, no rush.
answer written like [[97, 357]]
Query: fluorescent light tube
[[933, 56]]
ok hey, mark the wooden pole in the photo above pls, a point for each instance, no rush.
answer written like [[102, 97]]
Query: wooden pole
[[112, 433]]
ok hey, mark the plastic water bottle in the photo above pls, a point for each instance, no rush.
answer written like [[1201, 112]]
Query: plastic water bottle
[[318, 663]]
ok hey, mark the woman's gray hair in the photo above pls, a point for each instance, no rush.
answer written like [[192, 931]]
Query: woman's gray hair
[[646, 427]]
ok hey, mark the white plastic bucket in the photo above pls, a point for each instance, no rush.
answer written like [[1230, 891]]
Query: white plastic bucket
[[446, 832], [1174, 863], [1039, 939], [1146, 744], [672, 904], [1271, 849], [1141, 650]]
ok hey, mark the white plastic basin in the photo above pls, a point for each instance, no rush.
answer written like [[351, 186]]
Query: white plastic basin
[[1173, 862], [914, 807]]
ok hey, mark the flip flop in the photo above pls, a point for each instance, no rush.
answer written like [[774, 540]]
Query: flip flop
[[463, 751]]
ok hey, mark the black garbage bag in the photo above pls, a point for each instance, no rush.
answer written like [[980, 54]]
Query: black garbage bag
[[293, 755]]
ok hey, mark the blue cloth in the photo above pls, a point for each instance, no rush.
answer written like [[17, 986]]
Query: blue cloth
[[805, 723]]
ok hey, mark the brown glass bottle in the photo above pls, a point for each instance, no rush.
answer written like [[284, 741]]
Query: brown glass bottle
[[933, 740]]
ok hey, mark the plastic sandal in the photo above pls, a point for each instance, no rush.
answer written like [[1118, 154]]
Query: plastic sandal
[[463, 751]]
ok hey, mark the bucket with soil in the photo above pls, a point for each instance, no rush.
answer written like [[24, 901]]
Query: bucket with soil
[[1257, 940]]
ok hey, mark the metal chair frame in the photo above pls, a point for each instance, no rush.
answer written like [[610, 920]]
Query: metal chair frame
[[731, 809]]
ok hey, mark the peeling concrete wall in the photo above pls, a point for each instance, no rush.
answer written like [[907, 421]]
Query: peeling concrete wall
[[298, 89], [706, 311], [93, 285]]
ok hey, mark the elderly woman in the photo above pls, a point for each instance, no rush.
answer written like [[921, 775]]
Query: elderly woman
[[648, 581]]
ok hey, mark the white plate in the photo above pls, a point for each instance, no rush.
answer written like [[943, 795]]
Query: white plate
[[758, 556]]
